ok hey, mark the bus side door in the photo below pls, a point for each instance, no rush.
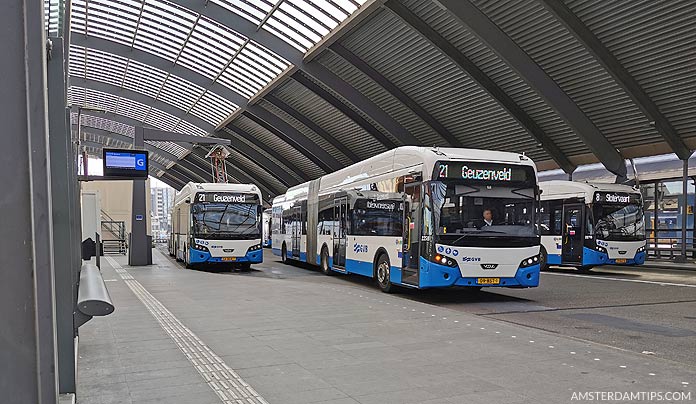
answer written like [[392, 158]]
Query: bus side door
[[410, 266], [340, 233], [573, 234]]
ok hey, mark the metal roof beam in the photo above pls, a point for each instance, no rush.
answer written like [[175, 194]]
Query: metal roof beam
[[182, 172], [195, 169], [166, 136], [253, 154], [485, 82], [345, 109], [490, 34], [293, 137], [268, 149], [621, 75], [155, 61], [397, 93], [171, 181], [143, 99], [129, 140], [312, 126], [296, 57]]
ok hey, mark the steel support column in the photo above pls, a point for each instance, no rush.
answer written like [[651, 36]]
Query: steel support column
[[499, 42], [139, 249], [28, 353], [63, 251], [684, 209]]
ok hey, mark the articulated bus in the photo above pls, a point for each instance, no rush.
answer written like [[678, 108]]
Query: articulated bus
[[418, 217], [584, 224], [217, 225]]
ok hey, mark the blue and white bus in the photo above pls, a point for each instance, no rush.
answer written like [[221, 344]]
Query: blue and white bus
[[266, 229], [217, 224], [584, 224], [418, 217]]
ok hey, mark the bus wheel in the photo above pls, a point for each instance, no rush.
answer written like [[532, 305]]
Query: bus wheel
[[325, 261], [284, 254], [543, 256], [382, 272], [245, 267]]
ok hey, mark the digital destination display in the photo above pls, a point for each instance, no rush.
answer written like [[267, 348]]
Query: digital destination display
[[484, 172], [619, 198], [125, 163], [226, 197], [375, 204]]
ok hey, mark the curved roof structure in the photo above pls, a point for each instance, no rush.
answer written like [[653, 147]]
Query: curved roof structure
[[306, 87]]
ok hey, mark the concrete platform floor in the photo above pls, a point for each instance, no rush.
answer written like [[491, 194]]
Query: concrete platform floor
[[284, 334]]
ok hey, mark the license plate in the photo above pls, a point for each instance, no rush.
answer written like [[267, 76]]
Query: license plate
[[229, 258], [488, 281], [621, 260]]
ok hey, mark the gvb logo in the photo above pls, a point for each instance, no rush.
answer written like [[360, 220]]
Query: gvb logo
[[359, 248]]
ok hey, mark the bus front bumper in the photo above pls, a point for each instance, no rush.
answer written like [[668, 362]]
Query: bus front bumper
[[594, 257], [434, 275], [199, 257]]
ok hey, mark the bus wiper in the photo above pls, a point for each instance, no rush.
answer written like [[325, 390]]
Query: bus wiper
[[476, 232]]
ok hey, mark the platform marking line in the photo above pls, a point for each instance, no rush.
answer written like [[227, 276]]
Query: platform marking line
[[683, 285], [222, 379]]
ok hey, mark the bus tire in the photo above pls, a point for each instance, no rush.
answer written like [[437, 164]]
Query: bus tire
[[284, 254], [585, 268], [324, 261], [543, 259], [382, 271], [245, 267]]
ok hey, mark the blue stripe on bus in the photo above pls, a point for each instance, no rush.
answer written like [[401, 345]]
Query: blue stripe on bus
[[198, 257], [595, 258]]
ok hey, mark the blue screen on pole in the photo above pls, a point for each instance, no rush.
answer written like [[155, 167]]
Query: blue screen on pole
[[125, 163]]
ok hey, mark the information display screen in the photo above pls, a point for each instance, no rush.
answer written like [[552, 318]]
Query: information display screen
[[488, 173], [226, 197], [617, 198], [125, 163]]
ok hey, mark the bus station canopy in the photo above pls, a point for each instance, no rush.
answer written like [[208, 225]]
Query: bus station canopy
[[306, 87]]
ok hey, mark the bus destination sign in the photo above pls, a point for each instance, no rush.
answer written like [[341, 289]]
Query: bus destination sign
[[483, 172], [226, 197]]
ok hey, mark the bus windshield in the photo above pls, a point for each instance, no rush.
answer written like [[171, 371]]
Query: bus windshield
[[225, 221], [483, 216], [619, 222]]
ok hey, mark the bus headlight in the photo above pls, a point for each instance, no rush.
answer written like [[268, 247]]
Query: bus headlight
[[199, 247], [442, 260], [528, 262], [641, 249], [254, 247]]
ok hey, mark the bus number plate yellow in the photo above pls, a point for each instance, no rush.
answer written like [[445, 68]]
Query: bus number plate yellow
[[229, 258], [488, 281], [621, 260]]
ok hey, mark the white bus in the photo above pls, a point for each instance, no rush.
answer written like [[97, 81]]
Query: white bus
[[414, 216], [266, 229], [584, 224], [217, 224]]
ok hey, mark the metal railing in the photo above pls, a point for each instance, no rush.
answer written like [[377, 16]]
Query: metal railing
[[667, 244], [118, 244]]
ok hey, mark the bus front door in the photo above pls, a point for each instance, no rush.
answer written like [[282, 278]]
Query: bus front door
[[571, 252], [296, 234], [340, 233], [410, 265]]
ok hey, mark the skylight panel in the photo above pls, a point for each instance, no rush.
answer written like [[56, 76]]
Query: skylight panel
[[105, 67], [253, 10], [213, 108], [164, 28], [210, 48], [144, 79], [115, 20], [186, 128], [161, 119], [288, 35], [77, 61], [108, 125], [252, 69], [132, 109], [180, 93], [100, 100], [170, 147], [78, 16]]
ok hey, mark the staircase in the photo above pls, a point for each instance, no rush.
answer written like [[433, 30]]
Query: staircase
[[115, 244]]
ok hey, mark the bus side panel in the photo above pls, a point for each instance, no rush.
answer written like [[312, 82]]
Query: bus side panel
[[553, 245], [361, 250]]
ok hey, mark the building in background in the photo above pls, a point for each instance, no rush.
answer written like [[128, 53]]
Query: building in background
[[162, 200]]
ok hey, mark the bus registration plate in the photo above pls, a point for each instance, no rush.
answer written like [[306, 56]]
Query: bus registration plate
[[488, 281], [621, 260], [229, 258]]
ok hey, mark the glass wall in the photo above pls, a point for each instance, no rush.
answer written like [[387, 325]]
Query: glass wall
[[664, 204]]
